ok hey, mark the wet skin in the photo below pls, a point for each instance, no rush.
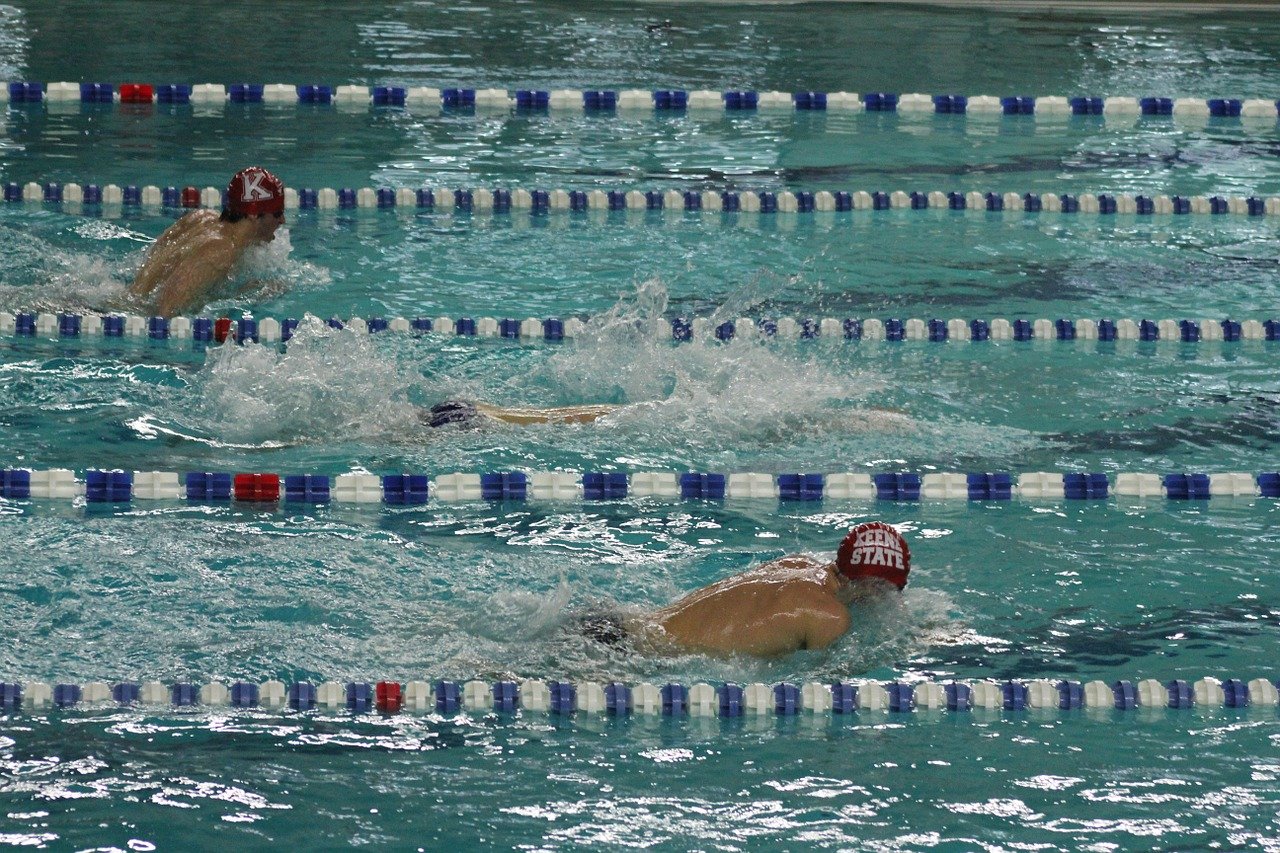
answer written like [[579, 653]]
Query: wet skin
[[195, 255], [780, 607]]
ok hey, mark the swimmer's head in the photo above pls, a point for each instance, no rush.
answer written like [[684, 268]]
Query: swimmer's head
[[255, 192], [874, 550]]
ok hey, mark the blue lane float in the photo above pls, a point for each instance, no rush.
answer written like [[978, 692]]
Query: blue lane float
[[453, 99], [269, 330], [91, 198], [124, 487], [924, 699]]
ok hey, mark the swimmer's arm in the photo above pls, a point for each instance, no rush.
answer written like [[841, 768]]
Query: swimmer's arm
[[561, 415], [146, 280]]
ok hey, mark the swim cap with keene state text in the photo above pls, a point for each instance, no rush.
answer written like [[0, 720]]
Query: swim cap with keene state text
[[254, 192], [874, 549]]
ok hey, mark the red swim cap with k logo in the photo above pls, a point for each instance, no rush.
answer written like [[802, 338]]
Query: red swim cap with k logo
[[255, 191]]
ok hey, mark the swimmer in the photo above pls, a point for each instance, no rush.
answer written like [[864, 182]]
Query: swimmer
[[793, 603], [199, 251], [464, 414]]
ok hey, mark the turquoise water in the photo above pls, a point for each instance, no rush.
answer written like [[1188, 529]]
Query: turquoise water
[[168, 591]]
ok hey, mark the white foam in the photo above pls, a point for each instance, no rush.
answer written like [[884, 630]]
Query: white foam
[[327, 383], [71, 281], [44, 276], [745, 388], [271, 270], [699, 404]]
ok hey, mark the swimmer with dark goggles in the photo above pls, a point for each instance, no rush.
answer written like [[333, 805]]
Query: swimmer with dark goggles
[[462, 414]]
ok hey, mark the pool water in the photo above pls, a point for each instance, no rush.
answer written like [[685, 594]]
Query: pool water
[[1024, 589]]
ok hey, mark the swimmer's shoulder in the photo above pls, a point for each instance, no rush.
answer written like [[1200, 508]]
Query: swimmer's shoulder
[[204, 223], [202, 218], [794, 562], [809, 598], [797, 566]]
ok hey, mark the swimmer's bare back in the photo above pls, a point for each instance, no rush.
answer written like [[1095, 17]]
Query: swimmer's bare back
[[770, 611], [558, 415], [189, 259]]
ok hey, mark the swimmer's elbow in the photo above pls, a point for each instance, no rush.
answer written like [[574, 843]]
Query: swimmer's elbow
[[144, 282], [168, 303]]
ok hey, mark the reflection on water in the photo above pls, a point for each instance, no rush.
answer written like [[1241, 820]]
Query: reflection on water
[[177, 591], [635, 782]]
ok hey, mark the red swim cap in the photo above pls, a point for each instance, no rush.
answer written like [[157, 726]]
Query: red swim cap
[[255, 191], [874, 549]]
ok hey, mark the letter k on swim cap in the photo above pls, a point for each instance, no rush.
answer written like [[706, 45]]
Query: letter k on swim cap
[[874, 549], [255, 191]]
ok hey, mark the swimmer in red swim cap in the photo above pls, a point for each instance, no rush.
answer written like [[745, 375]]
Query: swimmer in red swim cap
[[793, 603], [197, 255], [874, 550]]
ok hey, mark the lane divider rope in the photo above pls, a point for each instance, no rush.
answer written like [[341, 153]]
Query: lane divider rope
[[120, 486], [611, 100], [48, 325], [671, 700], [82, 198]]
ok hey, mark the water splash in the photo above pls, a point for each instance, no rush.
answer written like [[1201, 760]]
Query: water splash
[[271, 266], [45, 276], [539, 635], [774, 404], [513, 615], [327, 383], [744, 388], [265, 271]]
